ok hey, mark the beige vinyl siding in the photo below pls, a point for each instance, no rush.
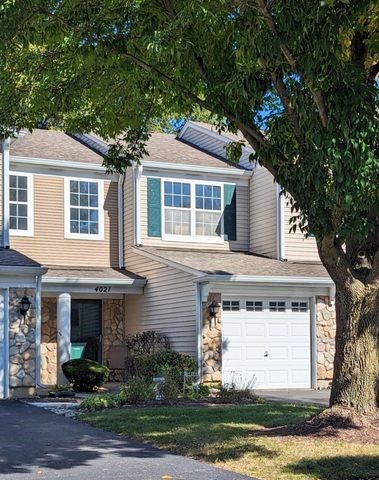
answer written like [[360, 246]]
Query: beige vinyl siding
[[263, 213], [168, 303], [50, 247], [296, 246], [241, 244]]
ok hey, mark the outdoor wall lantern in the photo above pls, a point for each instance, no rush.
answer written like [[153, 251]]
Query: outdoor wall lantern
[[214, 308], [24, 306]]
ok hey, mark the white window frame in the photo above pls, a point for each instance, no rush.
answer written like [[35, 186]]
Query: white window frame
[[192, 237], [30, 205], [67, 205]]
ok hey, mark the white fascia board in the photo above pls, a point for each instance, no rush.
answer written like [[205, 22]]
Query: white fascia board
[[61, 164], [169, 263], [93, 281], [228, 172], [266, 280], [21, 271]]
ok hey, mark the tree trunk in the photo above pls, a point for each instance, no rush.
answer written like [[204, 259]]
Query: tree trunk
[[356, 363]]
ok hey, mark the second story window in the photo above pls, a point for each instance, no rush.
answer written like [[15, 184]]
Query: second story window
[[83, 208], [192, 211], [21, 204]]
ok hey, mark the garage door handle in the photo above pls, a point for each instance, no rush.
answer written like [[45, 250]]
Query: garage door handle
[[266, 354]]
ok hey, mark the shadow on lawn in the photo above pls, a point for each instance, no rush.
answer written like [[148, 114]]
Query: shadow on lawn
[[360, 467]]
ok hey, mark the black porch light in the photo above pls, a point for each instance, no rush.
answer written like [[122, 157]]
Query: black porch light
[[214, 308], [24, 305]]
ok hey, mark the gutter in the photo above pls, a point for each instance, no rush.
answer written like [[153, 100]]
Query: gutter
[[17, 270], [138, 282], [199, 331], [265, 279], [234, 172]]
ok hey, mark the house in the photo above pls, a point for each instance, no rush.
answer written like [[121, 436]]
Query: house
[[184, 243]]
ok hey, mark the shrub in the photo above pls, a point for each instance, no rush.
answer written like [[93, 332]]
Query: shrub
[[149, 366], [137, 390], [231, 393], [144, 343], [101, 402], [85, 374]]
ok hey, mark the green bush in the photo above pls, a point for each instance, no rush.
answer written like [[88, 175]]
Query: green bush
[[137, 390], [84, 374], [197, 392], [169, 390], [101, 402], [149, 366], [144, 343]]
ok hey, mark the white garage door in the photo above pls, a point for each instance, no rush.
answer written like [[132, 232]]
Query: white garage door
[[266, 341]]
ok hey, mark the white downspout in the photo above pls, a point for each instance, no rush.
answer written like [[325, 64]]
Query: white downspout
[[280, 226], [5, 144], [199, 329], [120, 221], [137, 172]]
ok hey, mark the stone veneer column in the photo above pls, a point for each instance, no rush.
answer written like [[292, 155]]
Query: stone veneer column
[[326, 334], [49, 347], [64, 333], [113, 325], [22, 344], [212, 341]]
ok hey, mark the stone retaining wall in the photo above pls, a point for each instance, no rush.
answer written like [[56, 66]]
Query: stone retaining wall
[[326, 334], [22, 344], [212, 339]]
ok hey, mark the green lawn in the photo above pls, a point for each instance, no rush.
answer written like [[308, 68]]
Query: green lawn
[[223, 436]]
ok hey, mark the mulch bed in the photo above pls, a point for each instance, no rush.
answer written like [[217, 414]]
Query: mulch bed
[[335, 423]]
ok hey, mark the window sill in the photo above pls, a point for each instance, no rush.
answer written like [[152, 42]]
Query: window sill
[[184, 239], [21, 233], [83, 236]]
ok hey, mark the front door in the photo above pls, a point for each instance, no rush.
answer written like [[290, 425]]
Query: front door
[[86, 322]]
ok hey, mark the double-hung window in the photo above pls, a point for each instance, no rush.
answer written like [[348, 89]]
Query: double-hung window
[[192, 211], [21, 204], [84, 201]]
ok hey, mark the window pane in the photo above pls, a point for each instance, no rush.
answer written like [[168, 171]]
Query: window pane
[[22, 223], [22, 182], [94, 230], [186, 189], [216, 204], [83, 215], [74, 199], [84, 200], [22, 196], [93, 215], [167, 187], [208, 224], [216, 192], [83, 227], [13, 223], [177, 188], [83, 187], [168, 200], [13, 195], [93, 188], [22, 210], [177, 201], [13, 209], [177, 222], [93, 201], [199, 190], [208, 190], [74, 213], [73, 186], [186, 202], [13, 181], [74, 227], [208, 204]]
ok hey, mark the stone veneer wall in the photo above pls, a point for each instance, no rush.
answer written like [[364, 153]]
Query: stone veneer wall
[[113, 325], [326, 334], [22, 345], [49, 345], [212, 341]]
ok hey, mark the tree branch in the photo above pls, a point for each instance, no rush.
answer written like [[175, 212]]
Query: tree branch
[[316, 94]]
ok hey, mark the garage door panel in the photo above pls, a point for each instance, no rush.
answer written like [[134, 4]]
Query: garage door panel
[[285, 336]]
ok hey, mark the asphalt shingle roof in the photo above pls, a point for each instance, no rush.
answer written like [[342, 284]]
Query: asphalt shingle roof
[[238, 263], [58, 271], [13, 258]]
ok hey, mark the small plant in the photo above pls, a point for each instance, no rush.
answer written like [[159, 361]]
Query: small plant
[[236, 392], [84, 374], [101, 402], [137, 390], [197, 392], [169, 390]]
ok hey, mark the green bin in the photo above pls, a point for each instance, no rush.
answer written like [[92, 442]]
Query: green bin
[[77, 350]]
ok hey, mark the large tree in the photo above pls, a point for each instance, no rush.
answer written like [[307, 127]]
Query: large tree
[[296, 77]]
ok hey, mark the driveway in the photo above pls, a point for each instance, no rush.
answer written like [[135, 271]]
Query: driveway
[[37, 444], [318, 397]]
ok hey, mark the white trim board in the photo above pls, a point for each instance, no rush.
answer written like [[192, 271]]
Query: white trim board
[[181, 167], [30, 205]]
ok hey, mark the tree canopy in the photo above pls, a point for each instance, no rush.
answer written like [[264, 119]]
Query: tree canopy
[[296, 77]]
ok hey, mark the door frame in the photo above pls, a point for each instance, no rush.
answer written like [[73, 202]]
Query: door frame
[[101, 349]]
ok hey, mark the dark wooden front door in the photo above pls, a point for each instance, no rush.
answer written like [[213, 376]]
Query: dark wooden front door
[[86, 328]]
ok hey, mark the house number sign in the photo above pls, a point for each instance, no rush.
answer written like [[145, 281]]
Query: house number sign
[[102, 289]]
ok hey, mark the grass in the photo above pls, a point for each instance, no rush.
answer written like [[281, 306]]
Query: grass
[[223, 436]]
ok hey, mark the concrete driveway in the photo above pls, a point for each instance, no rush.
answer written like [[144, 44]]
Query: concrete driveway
[[37, 444], [318, 397]]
